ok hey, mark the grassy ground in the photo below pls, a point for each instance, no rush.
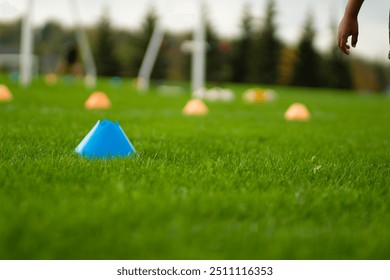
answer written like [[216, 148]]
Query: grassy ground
[[239, 183]]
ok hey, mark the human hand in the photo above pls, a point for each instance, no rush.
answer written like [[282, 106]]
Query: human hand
[[348, 27]]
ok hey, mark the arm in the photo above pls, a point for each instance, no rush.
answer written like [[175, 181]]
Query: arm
[[349, 26]]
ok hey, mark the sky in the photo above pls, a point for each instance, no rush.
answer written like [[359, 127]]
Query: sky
[[225, 15]]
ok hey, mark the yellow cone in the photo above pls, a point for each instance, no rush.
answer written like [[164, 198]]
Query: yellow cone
[[5, 94], [98, 100], [297, 112], [258, 95], [195, 107]]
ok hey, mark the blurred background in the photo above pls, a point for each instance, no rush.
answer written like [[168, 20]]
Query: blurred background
[[248, 41]]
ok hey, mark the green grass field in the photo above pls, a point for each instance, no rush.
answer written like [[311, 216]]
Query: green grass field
[[239, 183]]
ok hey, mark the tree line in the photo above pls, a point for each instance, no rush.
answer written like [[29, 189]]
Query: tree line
[[256, 56]]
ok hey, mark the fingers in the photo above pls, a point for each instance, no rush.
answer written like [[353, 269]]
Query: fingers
[[348, 27], [354, 40], [343, 45]]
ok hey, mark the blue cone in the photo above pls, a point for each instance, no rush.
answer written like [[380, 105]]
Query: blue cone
[[115, 81], [105, 140]]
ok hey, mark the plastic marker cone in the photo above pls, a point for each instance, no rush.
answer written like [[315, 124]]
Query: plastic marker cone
[[5, 94], [98, 100], [115, 81], [105, 140], [297, 112], [195, 107], [51, 79], [258, 95]]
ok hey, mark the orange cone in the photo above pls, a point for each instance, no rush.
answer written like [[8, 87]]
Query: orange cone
[[5, 94], [297, 112], [98, 100], [51, 79], [195, 107]]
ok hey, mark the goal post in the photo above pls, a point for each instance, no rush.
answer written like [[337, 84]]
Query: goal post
[[198, 48], [85, 49], [150, 58], [27, 46]]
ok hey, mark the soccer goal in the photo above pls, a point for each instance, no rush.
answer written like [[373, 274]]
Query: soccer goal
[[197, 47], [27, 43]]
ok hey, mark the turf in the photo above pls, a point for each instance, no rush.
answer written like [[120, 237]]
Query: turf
[[239, 183]]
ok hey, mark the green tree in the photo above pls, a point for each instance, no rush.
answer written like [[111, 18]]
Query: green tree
[[337, 70], [124, 50], [267, 52], [382, 75], [10, 32], [243, 49], [215, 59], [52, 44], [53, 38], [307, 70], [106, 60]]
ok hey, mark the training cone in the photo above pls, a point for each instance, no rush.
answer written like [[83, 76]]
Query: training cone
[[51, 79], [5, 94], [258, 95], [105, 140], [297, 112], [98, 100], [195, 107]]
